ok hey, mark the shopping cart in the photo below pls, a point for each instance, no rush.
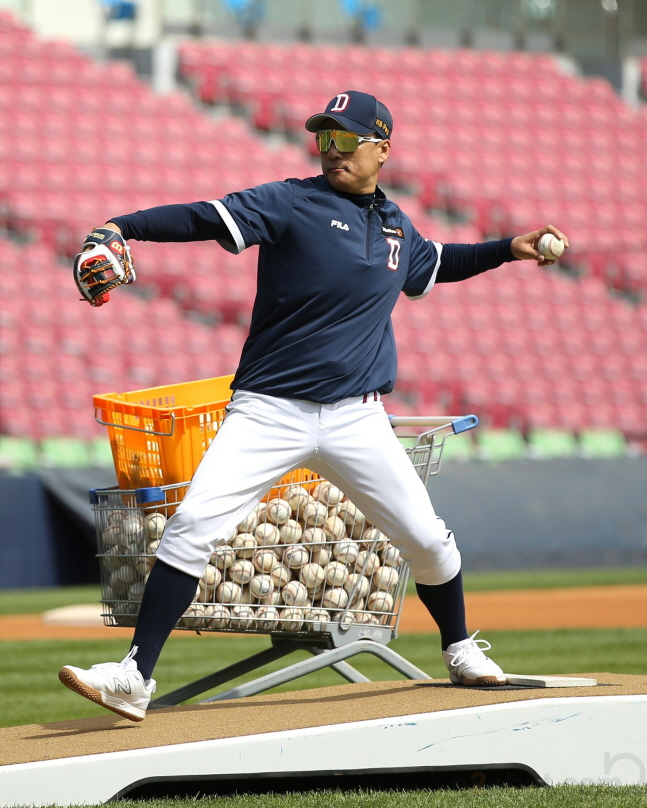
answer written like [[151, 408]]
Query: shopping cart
[[305, 567]]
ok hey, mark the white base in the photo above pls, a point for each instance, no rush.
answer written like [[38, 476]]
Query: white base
[[549, 681], [589, 739]]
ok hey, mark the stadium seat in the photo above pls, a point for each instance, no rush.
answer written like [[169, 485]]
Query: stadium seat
[[18, 453], [602, 443], [544, 444], [495, 445], [64, 453]]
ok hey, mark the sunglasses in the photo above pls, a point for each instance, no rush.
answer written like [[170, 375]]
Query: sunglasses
[[344, 141]]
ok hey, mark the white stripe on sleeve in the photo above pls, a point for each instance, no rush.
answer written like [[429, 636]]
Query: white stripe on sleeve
[[233, 228], [432, 280]]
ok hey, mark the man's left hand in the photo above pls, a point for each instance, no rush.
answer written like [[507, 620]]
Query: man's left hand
[[525, 247]]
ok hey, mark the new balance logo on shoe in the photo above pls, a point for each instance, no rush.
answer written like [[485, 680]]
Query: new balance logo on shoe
[[339, 225], [119, 684]]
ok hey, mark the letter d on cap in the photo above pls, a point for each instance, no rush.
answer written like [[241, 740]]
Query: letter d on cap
[[342, 103]]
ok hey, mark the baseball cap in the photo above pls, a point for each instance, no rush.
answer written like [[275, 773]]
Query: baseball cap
[[357, 112]]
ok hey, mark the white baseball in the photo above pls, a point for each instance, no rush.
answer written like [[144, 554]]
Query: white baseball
[[294, 594], [336, 598], [124, 614], [320, 554], [291, 619], [312, 575], [313, 616], [550, 246], [261, 586], [315, 514], [248, 525], [216, 616], [373, 539], [193, 617], [278, 511], [363, 617], [297, 496], [117, 517], [206, 595], [313, 536], [122, 577], [391, 556], [144, 564], [334, 528], [111, 535], [154, 524], [246, 596], [317, 594], [345, 619], [274, 599], [267, 535], [296, 556], [264, 560], [211, 577], [112, 559], [336, 573], [357, 604], [354, 519], [346, 551], [136, 591], [280, 575], [384, 579], [259, 510], [244, 544], [242, 616], [229, 592], [328, 493], [132, 528], [290, 532], [367, 562], [380, 602], [223, 557], [267, 618], [241, 571], [361, 582]]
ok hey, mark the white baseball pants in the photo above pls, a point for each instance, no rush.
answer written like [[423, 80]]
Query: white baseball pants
[[350, 443]]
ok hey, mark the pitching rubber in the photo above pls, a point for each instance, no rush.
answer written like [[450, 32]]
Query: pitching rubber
[[69, 679]]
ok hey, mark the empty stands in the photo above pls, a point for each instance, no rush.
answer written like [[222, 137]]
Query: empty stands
[[522, 347], [508, 139]]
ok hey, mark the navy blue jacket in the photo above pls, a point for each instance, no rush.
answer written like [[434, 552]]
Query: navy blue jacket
[[331, 267]]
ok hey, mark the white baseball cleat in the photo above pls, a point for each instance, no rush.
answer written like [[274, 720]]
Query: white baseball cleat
[[468, 665], [118, 686]]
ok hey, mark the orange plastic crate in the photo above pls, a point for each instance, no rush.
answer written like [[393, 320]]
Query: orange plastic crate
[[158, 436]]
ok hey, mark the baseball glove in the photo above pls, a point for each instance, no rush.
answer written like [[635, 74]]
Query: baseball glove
[[103, 264]]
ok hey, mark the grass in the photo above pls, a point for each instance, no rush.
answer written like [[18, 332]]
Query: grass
[[556, 797], [31, 601], [31, 692]]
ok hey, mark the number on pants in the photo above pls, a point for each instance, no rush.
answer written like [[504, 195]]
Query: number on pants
[[394, 254]]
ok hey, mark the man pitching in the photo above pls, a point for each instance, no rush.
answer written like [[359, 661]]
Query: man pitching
[[335, 255]]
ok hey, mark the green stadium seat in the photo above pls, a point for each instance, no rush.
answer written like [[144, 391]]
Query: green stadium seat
[[495, 445], [18, 454], [602, 443], [458, 447], [547, 443], [65, 453], [101, 453]]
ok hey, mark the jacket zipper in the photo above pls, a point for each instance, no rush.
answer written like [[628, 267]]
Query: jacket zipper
[[369, 240]]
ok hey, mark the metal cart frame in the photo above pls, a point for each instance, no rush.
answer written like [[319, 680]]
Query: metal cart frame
[[330, 643]]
